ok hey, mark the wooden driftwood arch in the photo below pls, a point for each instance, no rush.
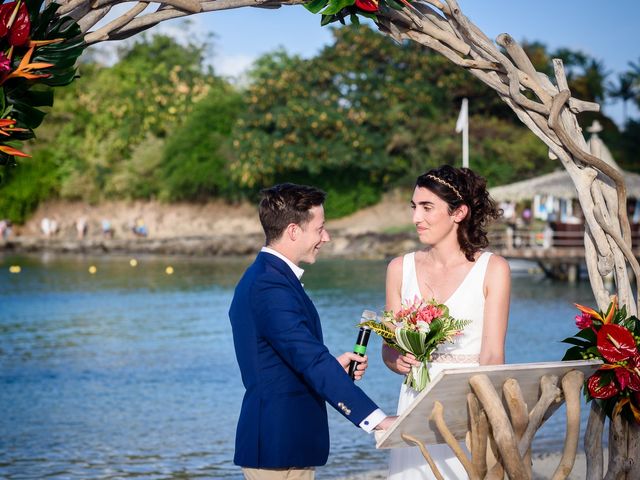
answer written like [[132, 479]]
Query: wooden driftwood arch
[[548, 109]]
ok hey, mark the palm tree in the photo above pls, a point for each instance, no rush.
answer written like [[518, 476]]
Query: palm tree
[[635, 75], [624, 91], [590, 85]]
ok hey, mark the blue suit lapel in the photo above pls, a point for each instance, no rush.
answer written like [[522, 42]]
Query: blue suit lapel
[[285, 270]]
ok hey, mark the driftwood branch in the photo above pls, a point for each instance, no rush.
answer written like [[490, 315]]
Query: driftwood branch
[[479, 435], [571, 387], [544, 105], [425, 453], [437, 415], [502, 430]]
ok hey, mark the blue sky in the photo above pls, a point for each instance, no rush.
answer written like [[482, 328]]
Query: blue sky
[[607, 31]]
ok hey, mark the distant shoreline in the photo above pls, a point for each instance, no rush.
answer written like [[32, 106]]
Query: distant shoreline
[[360, 245]]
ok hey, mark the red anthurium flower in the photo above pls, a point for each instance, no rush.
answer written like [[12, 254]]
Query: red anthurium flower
[[19, 33], [616, 343], [6, 10], [596, 390], [627, 378], [14, 21], [367, 5], [633, 367]]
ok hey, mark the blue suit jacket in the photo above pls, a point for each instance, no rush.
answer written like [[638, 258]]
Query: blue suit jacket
[[287, 372]]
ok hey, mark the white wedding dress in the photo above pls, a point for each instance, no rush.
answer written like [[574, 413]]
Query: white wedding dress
[[467, 302]]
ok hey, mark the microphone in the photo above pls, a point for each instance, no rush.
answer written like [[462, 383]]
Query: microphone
[[361, 343]]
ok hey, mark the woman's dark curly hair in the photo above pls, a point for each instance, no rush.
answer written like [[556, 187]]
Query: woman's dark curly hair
[[462, 186]]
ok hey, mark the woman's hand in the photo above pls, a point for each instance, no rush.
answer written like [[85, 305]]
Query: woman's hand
[[397, 362]]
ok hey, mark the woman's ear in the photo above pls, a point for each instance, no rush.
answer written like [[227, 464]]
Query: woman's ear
[[460, 213]]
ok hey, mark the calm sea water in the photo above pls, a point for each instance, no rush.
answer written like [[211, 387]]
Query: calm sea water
[[130, 372]]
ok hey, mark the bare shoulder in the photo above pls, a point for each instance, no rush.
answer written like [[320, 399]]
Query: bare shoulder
[[498, 272], [498, 264], [394, 271], [396, 263]]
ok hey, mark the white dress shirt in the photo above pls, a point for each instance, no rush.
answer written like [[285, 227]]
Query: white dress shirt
[[374, 418]]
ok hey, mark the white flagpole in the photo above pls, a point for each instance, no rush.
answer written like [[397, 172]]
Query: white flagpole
[[462, 125]]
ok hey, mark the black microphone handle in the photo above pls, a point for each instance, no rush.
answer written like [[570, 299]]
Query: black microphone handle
[[359, 348]]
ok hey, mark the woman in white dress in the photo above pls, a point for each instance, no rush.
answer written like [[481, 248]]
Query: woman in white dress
[[451, 209]]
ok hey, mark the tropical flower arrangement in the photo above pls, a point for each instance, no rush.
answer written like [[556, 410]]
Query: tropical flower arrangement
[[38, 50], [338, 10], [419, 329], [612, 337]]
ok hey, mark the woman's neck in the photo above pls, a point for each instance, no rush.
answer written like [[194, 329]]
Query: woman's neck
[[445, 256]]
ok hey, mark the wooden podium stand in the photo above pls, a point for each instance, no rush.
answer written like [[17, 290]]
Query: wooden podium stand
[[497, 409]]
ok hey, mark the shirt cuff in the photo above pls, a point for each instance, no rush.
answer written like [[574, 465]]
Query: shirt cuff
[[372, 420]]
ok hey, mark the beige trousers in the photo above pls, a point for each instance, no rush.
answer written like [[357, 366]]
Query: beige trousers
[[279, 473]]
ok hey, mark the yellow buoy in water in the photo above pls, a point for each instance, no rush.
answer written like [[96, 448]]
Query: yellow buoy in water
[[15, 269], [92, 269], [133, 262], [169, 270]]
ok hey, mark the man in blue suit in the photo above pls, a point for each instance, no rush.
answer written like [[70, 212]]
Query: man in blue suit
[[287, 371]]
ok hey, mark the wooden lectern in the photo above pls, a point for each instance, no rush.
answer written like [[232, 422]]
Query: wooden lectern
[[497, 409]]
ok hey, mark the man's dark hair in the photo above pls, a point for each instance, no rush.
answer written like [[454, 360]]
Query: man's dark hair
[[284, 204]]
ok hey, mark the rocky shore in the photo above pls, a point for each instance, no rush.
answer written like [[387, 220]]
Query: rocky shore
[[213, 228], [363, 245]]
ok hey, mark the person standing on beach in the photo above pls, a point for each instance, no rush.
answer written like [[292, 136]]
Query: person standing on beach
[[451, 209], [287, 371]]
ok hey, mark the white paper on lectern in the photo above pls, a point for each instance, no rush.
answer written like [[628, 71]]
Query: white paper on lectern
[[450, 387]]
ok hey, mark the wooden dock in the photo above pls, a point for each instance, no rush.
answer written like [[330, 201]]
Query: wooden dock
[[560, 254]]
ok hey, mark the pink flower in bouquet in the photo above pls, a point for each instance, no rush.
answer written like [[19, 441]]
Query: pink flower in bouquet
[[584, 320], [428, 314]]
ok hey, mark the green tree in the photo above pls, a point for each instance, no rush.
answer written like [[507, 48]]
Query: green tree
[[623, 91], [100, 121], [366, 115], [195, 157]]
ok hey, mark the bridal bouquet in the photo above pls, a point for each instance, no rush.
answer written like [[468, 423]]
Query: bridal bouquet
[[418, 329]]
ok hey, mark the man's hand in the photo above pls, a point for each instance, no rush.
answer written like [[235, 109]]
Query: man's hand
[[363, 363], [386, 423]]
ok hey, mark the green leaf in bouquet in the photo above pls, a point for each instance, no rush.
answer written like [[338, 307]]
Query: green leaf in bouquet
[[412, 341], [314, 6], [393, 4], [577, 341], [588, 334], [379, 328], [630, 324], [335, 6], [573, 353]]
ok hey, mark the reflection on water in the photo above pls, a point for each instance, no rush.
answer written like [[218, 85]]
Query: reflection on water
[[130, 373]]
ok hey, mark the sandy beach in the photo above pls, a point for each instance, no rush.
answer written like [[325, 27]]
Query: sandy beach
[[543, 468], [212, 228]]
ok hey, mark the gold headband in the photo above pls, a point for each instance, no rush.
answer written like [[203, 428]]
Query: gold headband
[[446, 184]]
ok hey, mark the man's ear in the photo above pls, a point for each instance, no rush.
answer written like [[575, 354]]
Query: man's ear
[[460, 213], [292, 231]]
